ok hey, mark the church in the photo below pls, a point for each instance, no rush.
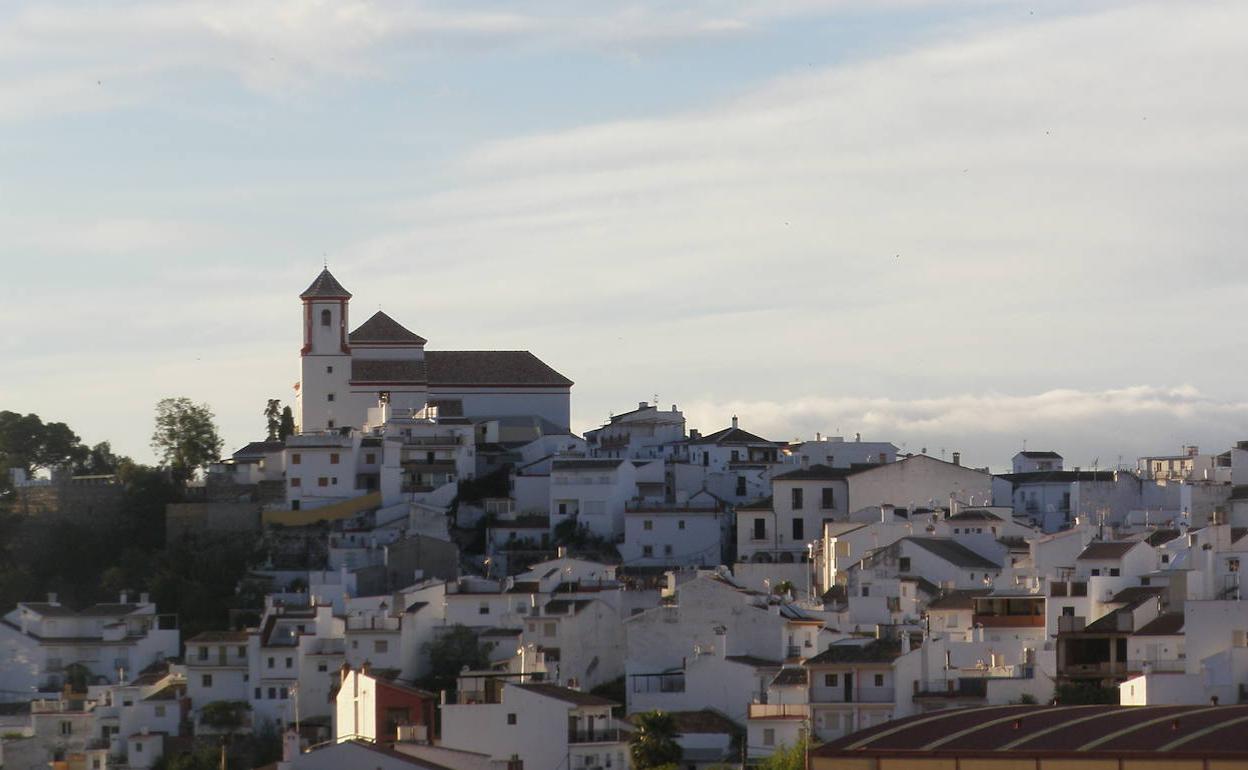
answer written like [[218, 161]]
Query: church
[[344, 373]]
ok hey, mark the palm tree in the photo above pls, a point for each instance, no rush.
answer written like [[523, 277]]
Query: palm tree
[[653, 743]]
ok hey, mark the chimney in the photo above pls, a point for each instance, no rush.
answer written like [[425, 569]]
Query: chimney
[[905, 642], [857, 437], [887, 513], [562, 552], [805, 461], [366, 667], [818, 436], [145, 598], [694, 434], [342, 672], [957, 458], [124, 598], [515, 763], [734, 421], [642, 405], [52, 599]]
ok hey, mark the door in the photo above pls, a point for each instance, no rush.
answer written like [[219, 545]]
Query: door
[[848, 679]]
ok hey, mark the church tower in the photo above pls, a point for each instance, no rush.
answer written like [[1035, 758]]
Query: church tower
[[325, 359]]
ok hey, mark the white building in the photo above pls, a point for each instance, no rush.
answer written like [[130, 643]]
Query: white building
[[593, 493], [543, 725], [646, 432], [783, 527], [676, 534], [40, 640]]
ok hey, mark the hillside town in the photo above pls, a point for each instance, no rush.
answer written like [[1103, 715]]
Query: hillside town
[[450, 576]]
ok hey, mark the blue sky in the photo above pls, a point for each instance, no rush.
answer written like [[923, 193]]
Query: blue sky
[[951, 224]]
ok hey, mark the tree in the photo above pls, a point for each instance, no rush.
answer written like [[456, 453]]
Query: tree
[[287, 425], [451, 653], [787, 757], [273, 418], [185, 438], [26, 442], [99, 460], [653, 743]]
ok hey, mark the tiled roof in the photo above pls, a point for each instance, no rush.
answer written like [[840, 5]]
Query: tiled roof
[[1161, 536], [1056, 477], [490, 367], [585, 464], [1167, 624], [218, 636], [790, 676], [874, 651], [961, 599], [383, 329], [975, 514], [1041, 455], [259, 449], [388, 370], [1072, 732], [325, 286], [815, 472], [732, 436], [575, 697], [951, 551], [761, 504], [1100, 551]]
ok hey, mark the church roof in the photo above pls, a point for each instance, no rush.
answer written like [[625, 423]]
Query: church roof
[[490, 367], [388, 371], [325, 286], [382, 328]]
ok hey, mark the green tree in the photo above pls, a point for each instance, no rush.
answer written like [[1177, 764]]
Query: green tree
[[653, 743], [26, 442], [450, 653], [287, 425], [185, 437], [273, 418], [100, 460]]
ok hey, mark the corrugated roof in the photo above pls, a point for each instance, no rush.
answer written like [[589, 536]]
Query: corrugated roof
[[1108, 731], [383, 329], [325, 286]]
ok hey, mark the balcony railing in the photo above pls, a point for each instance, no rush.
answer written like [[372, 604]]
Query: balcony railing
[[658, 682], [594, 736], [372, 623], [779, 711], [1009, 621], [963, 687], [1176, 665]]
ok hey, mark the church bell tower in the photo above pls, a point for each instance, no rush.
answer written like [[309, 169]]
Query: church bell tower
[[325, 358]]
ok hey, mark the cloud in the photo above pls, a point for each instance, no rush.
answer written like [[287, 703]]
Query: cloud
[[988, 428]]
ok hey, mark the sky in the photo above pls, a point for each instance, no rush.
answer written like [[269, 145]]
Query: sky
[[960, 225]]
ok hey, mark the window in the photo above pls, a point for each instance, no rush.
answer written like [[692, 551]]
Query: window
[[67, 728], [903, 564], [160, 711], [329, 397], [483, 608], [647, 525], [769, 736], [879, 680], [866, 590], [290, 662], [329, 424], [680, 524], [323, 481], [295, 481], [259, 694], [242, 652], [284, 693], [271, 662], [1232, 565], [647, 551], [549, 629], [206, 680], [736, 455], [797, 499], [381, 645], [322, 667], [370, 458], [138, 746], [334, 481], [799, 529], [828, 498], [830, 680], [760, 528], [272, 693], [1114, 572], [329, 370], [326, 318], [1068, 611], [741, 490], [1165, 558], [667, 550], [296, 458], [203, 652], [1096, 573], [333, 458], [511, 718]]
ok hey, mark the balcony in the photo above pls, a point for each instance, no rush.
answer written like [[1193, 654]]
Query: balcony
[[1174, 666], [435, 440], [962, 687], [372, 623], [1071, 624], [779, 711], [1009, 621], [1103, 668], [663, 683], [594, 736]]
